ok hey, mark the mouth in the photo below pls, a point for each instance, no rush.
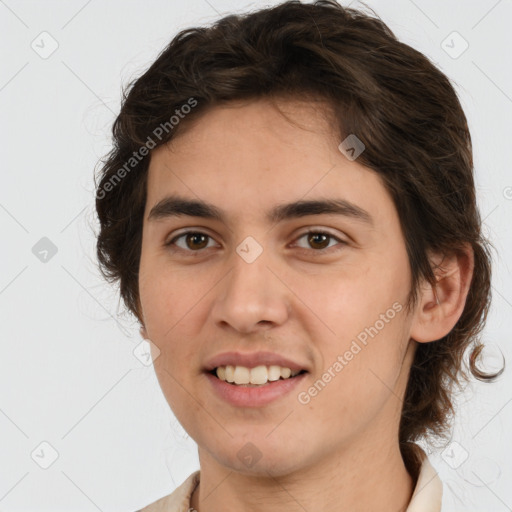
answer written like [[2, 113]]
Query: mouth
[[258, 376], [254, 387]]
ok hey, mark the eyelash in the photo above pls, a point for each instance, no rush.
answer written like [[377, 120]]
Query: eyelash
[[311, 232]]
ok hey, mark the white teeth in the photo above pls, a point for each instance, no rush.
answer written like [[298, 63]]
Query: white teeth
[[259, 375], [230, 373], [274, 373], [221, 372], [242, 375], [285, 372]]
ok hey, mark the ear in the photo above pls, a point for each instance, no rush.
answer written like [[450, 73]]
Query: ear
[[439, 307], [143, 332]]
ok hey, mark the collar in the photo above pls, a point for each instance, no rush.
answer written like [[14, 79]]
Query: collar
[[428, 492]]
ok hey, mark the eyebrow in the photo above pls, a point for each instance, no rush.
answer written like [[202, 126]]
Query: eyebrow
[[176, 206]]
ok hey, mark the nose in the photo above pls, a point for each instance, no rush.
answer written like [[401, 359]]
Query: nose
[[251, 298]]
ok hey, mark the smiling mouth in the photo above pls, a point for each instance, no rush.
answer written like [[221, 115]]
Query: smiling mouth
[[254, 377]]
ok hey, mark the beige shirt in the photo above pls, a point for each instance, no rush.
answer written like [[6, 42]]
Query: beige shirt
[[426, 497]]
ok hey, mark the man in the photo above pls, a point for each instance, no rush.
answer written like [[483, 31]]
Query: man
[[290, 210]]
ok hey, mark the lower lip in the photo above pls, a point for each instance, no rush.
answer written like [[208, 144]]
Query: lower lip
[[247, 396]]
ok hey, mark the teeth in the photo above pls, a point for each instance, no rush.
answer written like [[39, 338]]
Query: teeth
[[274, 373], [221, 372], [230, 373], [285, 373], [242, 375], [258, 375]]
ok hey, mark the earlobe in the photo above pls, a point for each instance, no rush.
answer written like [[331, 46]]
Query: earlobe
[[440, 307]]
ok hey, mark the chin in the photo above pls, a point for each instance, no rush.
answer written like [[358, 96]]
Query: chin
[[253, 459]]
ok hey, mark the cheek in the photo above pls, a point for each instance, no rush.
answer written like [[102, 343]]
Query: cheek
[[362, 351], [168, 301], [162, 310], [354, 296], [167, 297], [358, 379]]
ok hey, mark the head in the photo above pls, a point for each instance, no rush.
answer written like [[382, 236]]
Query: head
[[248, 115]]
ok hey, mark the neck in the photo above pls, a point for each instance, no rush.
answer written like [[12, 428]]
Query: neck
[[361, 476]]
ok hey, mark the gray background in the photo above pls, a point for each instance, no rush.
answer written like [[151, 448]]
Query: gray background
[[69, 377]]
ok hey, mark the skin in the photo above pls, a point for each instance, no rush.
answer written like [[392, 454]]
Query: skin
[[339, 451]]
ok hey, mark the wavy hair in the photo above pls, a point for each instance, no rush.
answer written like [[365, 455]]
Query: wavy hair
[[390, 95]]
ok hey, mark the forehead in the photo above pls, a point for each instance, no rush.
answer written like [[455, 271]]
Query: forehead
[[243, 156]]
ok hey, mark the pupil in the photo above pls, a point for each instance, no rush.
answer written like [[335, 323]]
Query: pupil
[[194, 237], [316, 236]]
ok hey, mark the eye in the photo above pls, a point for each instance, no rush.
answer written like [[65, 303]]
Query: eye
[[320, 240], [194, 241]]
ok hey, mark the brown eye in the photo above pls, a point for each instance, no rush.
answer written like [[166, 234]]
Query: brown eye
[[196, 240], [193, 241], [318, 240]]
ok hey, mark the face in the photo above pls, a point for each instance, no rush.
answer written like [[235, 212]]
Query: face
[[323, 287]]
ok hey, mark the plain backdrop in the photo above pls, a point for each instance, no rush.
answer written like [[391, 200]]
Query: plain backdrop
[[74, 396]]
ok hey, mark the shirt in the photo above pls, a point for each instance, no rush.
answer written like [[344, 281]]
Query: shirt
[[426, 497]]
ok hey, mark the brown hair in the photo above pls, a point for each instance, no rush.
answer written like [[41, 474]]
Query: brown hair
[[391, 96]]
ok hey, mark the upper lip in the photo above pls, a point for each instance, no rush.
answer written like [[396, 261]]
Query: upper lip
[[251, 360]]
